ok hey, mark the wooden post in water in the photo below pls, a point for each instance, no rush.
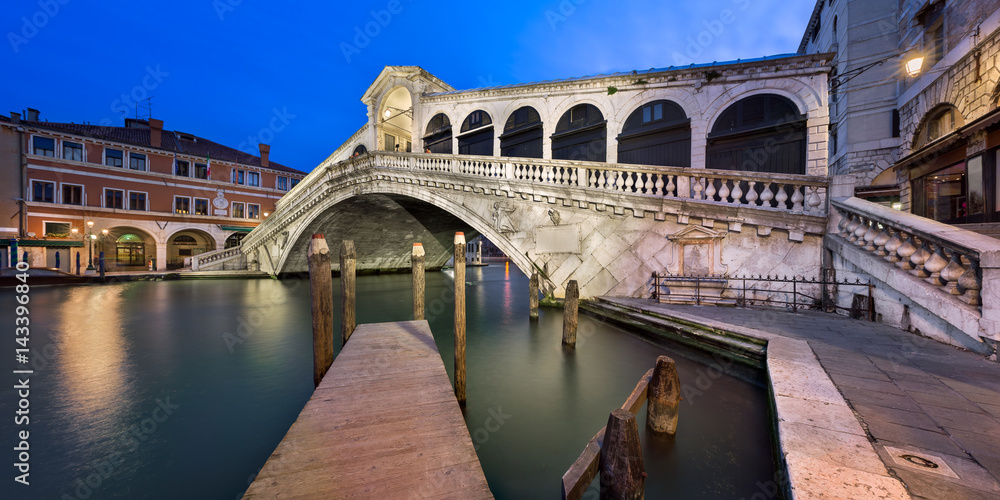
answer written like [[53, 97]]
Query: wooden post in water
[[571, 313], [664, 397], [533, 295], [460, 317], [321, 289], [417, 268], [622, 471], [348, 269]]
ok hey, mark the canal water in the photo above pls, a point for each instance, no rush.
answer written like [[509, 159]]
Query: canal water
[[182, 389]]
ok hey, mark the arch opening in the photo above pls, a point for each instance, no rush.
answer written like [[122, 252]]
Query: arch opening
[[760, 133], [476, 135], [437, 135], [581, 134], [395, 119], [656, 133], [522, 134], [185, 244], [126, 248]]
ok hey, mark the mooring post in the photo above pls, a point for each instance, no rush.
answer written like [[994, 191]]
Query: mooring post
[[533, 295], [664, 397], [348, 269], [622, 470], [100, 264], [321, 290], [77, 263], [460, 317], [417, 268], [570, 313]]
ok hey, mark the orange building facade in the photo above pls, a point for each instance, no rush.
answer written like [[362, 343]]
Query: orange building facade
[[145, 196]]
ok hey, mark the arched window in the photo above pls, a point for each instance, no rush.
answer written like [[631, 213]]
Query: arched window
[[476, 135], [762, 133], [581, 134], [657, 133], [234, 240], [185, 240], [437, 137], [130, 250], [939, 122], [522, 134], [360, 150]]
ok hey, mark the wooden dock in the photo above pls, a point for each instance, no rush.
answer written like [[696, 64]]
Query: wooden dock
[[383, 423]]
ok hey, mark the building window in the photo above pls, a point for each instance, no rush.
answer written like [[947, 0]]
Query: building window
[[437, 136], [113, 157], [652, 112], [283, 183], [200, 206], [43, 191], [72, 194], [657, 133], [239, 176], [43, 146], [761, 133], [136, 201], [942, 195], [201, 170], [114, 198], [238, 210], [181, 169], [253, 179], [253, 211], [938, 123], [580, 134], [136, 161], [932, 19], [522, 134], [72, 151], [182, 205], [56, 229], [295, 182]]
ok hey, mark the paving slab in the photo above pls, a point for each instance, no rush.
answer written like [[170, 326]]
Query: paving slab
[[907, 391]]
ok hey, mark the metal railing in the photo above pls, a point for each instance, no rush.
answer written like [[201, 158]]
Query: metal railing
[[746, 290]]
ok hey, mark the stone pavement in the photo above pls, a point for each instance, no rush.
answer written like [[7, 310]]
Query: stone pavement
[[920, 401]]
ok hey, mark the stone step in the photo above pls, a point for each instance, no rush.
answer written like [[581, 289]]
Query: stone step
[[746, 350]]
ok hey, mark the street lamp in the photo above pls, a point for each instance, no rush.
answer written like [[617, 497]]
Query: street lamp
[[912, 62], [90, 237], [913, 65]]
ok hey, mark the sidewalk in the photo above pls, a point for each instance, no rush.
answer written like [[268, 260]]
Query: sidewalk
[[931, 411]]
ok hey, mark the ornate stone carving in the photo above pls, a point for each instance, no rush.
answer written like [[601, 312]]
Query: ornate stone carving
[[503, 220]]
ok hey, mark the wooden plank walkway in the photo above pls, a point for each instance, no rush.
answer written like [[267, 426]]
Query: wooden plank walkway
[[384, 423]]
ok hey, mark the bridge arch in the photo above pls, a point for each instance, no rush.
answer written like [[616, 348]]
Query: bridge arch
[[297, 240], [394, 119]]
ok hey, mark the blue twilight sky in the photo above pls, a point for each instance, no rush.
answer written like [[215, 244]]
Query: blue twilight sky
[[292, 73]]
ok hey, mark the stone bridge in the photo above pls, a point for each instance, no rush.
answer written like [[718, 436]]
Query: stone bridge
[[608, 226]]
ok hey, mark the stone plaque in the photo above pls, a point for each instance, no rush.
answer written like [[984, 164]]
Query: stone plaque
[[558, 239], [224, 213]]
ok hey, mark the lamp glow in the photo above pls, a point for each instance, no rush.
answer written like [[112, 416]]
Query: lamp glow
[[90, 223], [93, 236], [104, 232], [387, 114], [913, 65]]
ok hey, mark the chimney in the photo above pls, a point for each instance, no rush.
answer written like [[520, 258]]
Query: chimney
[[155, 131], [32, 115], [15, 118], [265, 150]]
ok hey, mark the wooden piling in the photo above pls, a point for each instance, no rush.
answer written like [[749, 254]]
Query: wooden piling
[[664, 397], [460, 318], [417, 268], [571, 313], [622, 471], [321, 290], [533, 295], [348, 270]]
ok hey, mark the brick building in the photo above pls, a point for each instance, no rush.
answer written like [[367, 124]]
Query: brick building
[[154, 196]]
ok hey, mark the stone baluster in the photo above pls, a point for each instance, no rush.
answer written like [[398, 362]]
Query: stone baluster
[[649, 185], [709, 189], [918, 258], [971, 283], [952, 272], [737, 193], [698, 187], [592, 179], [813, 201], [869, 236], [853, 226], [892, 246], [858, 236], [781, 197], [935, 264], [905, 251], [766, 195], [629, 182], [752, 194], [797, 198], [724, 192], [880, 240], [845, 219], [670, 184]]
